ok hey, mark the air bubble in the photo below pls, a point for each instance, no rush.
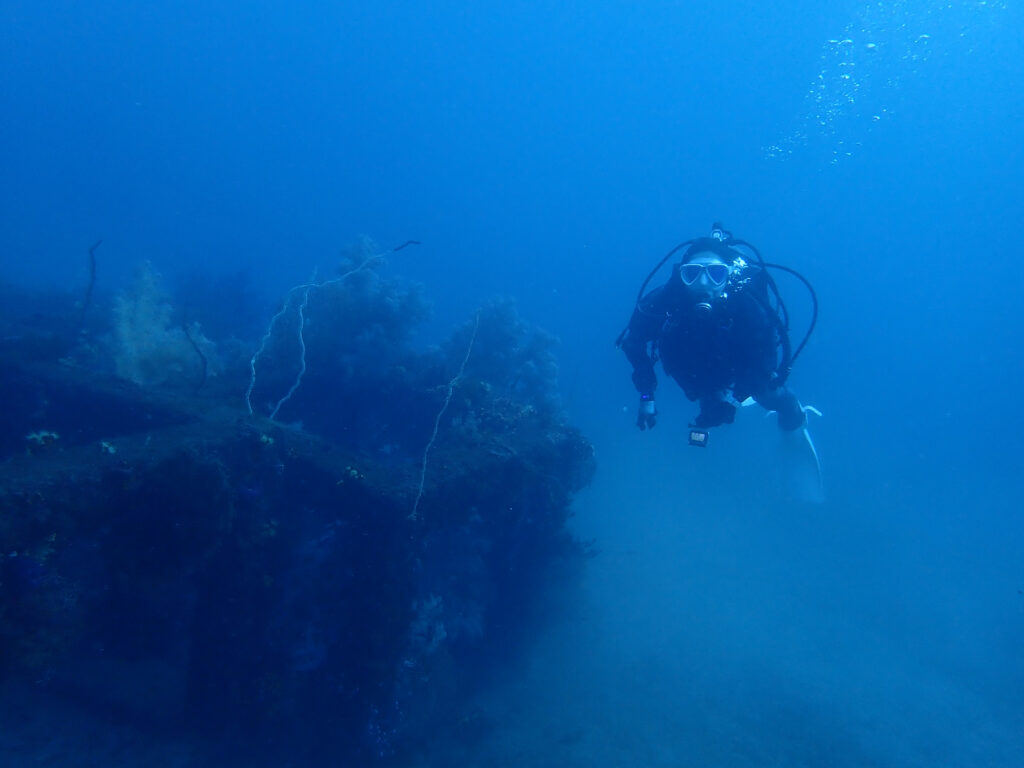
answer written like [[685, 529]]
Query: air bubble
[[896, 51]]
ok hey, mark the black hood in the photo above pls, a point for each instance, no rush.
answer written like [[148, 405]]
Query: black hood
[[710, 245]]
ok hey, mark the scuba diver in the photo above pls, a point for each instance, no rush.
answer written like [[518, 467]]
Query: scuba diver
[[721, 330]]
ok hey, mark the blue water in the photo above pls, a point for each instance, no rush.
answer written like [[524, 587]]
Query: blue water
[[553, 153]]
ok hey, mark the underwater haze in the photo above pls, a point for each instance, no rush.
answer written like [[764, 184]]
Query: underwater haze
[[552, 153]]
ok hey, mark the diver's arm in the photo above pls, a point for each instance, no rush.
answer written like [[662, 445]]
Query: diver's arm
[[636, 349], [635, 345], [644, 327]]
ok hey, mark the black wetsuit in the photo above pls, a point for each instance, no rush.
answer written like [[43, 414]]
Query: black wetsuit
[[731, 348]]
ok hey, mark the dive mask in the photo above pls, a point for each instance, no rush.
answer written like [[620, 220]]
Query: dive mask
[[717, 273]]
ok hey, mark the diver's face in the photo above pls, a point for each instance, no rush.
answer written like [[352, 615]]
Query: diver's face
[[705, 275]]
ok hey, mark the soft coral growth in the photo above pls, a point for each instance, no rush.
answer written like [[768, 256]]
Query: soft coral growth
[[148, 348]]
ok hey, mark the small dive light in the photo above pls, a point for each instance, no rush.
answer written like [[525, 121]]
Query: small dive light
[[699, 437]]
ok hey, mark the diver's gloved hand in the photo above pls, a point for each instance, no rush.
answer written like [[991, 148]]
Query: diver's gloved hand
[[647, 415], [714, 412]]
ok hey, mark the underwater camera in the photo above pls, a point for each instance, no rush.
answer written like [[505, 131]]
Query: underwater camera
[[699, 437]]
